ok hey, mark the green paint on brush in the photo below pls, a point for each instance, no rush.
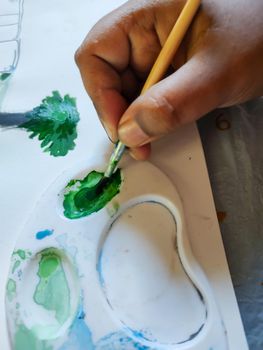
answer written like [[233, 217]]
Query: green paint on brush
[[25, 339], [11, 289], [79, 201], [52, 291], [54, 123]]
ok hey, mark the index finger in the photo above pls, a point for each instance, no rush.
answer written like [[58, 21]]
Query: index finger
[[102, 57]]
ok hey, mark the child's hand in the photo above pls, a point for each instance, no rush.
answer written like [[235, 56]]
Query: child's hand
[[220, 63]]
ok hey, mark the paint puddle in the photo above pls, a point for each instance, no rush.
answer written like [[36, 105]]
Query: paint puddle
[[48, 295], [81, 199], [144, 281]]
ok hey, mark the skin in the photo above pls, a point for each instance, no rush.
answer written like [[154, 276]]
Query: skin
[[219, 64]]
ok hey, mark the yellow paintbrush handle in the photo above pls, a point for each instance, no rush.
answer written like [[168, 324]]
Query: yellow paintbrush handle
[[172, 43]]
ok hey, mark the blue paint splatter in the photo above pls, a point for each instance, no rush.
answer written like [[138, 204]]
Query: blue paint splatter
[[119, 341], [79, 337], [139, 334], [44, 233]]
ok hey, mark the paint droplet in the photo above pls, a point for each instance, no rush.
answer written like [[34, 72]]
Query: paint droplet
[[11, 289], [43, 234]]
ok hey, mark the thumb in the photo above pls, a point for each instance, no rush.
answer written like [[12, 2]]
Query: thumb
[[184, 96]]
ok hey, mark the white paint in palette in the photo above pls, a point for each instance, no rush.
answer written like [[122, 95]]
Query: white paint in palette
[[132, 279]]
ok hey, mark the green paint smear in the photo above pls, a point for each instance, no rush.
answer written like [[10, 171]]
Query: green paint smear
[[54, 123], [80, 201], [25, 339], [11, 289], [4, 76], [52, 291], [16, 265]]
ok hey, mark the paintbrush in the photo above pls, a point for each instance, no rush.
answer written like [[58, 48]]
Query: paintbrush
[[158, 70], [12, 120]]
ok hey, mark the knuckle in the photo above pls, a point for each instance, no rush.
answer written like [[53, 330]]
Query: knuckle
[[78, 56]]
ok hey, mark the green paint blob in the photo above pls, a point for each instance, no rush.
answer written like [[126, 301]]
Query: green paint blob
[[54, 122], [11, 289], [4, 76], [80, 201], [25, 339], [52, 291], [21, 253]]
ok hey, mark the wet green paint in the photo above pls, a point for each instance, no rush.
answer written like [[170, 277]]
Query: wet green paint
[[79, 200], [25, 339], [52, 291], [54, 123], [11, 289]]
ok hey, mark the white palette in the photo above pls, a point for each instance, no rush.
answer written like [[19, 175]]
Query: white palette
[[125, 276]]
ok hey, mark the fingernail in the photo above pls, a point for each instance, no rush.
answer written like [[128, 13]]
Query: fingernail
[[131, 134], [110, 133], [133, 154]]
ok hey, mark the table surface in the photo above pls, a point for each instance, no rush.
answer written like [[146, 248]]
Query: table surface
[[232, 138]]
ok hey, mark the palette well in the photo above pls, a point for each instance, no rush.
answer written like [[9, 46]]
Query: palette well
[[122, 278]]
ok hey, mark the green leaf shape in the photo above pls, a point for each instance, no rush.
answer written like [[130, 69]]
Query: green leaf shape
[[54, 123], [76, 207]]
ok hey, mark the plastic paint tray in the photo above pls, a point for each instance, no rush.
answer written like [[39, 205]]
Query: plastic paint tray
[[123, 278]]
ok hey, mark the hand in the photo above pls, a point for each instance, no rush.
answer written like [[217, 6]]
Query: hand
[[220, 63]]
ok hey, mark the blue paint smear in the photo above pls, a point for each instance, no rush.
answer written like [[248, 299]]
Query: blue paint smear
[[119, 341], [99, 270], [139, 334], [43, 234], [79, 337]]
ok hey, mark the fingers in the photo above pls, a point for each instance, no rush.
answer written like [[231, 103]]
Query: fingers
[[102, 58], [117, 56], [194, 90]]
